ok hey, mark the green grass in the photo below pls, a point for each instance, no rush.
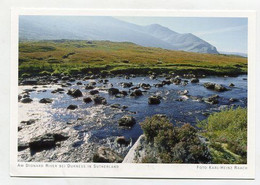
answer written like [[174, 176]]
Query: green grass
[[83, 56], [227, 135]]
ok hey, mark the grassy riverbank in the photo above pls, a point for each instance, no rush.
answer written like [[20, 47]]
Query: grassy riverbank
[[227, 135], [74, 57]]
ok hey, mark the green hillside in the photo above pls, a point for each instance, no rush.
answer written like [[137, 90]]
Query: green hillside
[[67, 56]]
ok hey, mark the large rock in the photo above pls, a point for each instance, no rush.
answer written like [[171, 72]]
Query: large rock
[[126, 84], [87, 100], [209, 85], [88, 86], [136, 92], [220, 88], [22, 146], [154, 100], [75, 93], [185, 92], [116, 106], [92, 92], [46, 141], [72, 107], [216, 87], [231, 85], [26, 100], [175, 80], [99, 100], [46, 100], [60, 90], [121, 140], [113, 91], [106, 155], [145, 86], [127, 121], [194, 80], [212, 99], [166, 82], [29, 122], [158, 85]]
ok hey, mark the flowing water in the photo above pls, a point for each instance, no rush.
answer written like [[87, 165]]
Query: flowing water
[[98, 124]]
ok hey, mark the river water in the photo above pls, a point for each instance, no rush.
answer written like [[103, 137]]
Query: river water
[[98, 123]]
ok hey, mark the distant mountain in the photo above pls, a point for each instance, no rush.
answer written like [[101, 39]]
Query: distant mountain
[[108, 28], [234, 53]]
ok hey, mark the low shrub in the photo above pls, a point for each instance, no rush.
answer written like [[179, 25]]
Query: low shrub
[[174, 144], [227, 134]]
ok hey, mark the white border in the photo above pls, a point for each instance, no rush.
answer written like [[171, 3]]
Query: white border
[[134, 170]]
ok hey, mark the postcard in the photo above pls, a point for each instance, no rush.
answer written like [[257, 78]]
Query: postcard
[[132, 93]]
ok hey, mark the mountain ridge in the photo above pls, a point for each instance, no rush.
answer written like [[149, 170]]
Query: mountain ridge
[[109, 28]]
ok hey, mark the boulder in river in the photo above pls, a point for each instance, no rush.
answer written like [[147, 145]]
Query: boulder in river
[[106, 155], [113, 91], [127, 121], [126, 84], [87, 100], [216, 87], [154, 100], [231, 85], [152, 77], [46, 141], [136, 92], [158, 85], [79, 83], [99, 100], [46, 100], [212, 99], [185, 92], [92, 92], [88, 86], [124, 93], [209, 85], [93, 83], [29, 122], [75, 93], [121, 140], [175, 80], [145, 86], [116, 106], [220, 88], [26, 100], [22, 146], [72, 107], [166, 82], [194, 80]]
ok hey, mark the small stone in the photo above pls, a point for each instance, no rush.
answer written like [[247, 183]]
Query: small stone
[[72, 107], [46, 100]]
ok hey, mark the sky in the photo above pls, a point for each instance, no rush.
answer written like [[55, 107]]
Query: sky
[[225, 33]]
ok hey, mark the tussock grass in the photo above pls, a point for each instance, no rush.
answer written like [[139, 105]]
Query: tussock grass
[[118, 57]]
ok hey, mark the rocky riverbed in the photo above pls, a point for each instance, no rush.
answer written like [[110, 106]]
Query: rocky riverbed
[[94, 118]]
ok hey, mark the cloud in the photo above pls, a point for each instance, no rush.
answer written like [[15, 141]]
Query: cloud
[[223, 30]]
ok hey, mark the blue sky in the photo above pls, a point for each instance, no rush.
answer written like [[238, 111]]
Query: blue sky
[[227, 34]]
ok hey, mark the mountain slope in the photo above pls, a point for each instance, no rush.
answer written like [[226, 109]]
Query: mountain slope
[[108, 28], [186, 42]]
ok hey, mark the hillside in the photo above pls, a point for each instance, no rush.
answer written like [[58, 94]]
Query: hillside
[[70, 56], [109, 28]]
